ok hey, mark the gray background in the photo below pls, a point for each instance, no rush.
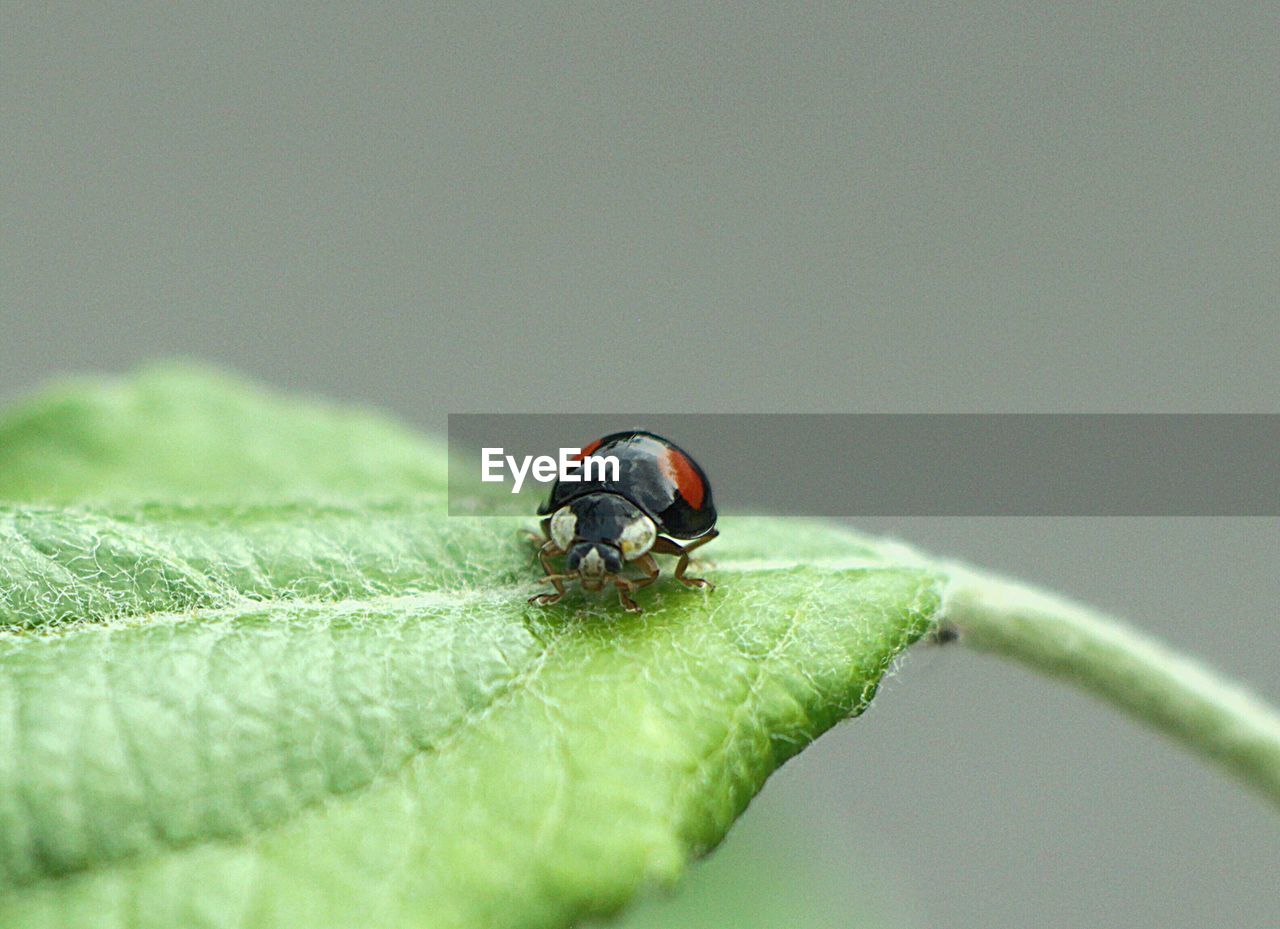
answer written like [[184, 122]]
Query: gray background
[[901, 207]]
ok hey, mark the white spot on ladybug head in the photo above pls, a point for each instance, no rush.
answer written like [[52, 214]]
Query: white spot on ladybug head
[[592, 565], [564, 526], [591, 571], [638, 537]]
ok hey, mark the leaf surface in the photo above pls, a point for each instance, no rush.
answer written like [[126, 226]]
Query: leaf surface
[[251, 675]]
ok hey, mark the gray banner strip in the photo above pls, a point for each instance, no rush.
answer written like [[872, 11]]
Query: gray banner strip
[[931, 464]]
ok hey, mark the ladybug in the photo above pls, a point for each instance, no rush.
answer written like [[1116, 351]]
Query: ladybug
[[660, 495]]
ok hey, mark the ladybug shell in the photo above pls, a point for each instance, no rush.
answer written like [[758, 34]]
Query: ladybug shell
[[654, 474]]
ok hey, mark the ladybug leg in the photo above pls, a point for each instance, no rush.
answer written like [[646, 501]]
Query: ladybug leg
[[534, 538], [553, 578], [665, 546], [650, 568], [625, 587], [548, 551], [545, 553]]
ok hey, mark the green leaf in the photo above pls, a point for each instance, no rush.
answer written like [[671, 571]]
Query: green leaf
[[251, 675], [179, 432]]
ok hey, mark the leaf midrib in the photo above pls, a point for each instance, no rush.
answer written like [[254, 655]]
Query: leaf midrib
[[237, 602]]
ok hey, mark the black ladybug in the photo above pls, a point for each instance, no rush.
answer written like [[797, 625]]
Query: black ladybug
[[660, 495]]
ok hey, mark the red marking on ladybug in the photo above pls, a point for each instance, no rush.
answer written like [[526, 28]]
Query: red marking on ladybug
[[589, 450], [683, 474]]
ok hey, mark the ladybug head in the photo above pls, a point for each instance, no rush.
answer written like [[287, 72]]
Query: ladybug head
[[594, 561]]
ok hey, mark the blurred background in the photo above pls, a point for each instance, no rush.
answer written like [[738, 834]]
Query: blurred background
[[706, 207]]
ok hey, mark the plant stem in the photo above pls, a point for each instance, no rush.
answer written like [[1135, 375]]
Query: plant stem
[[1102, 655]]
